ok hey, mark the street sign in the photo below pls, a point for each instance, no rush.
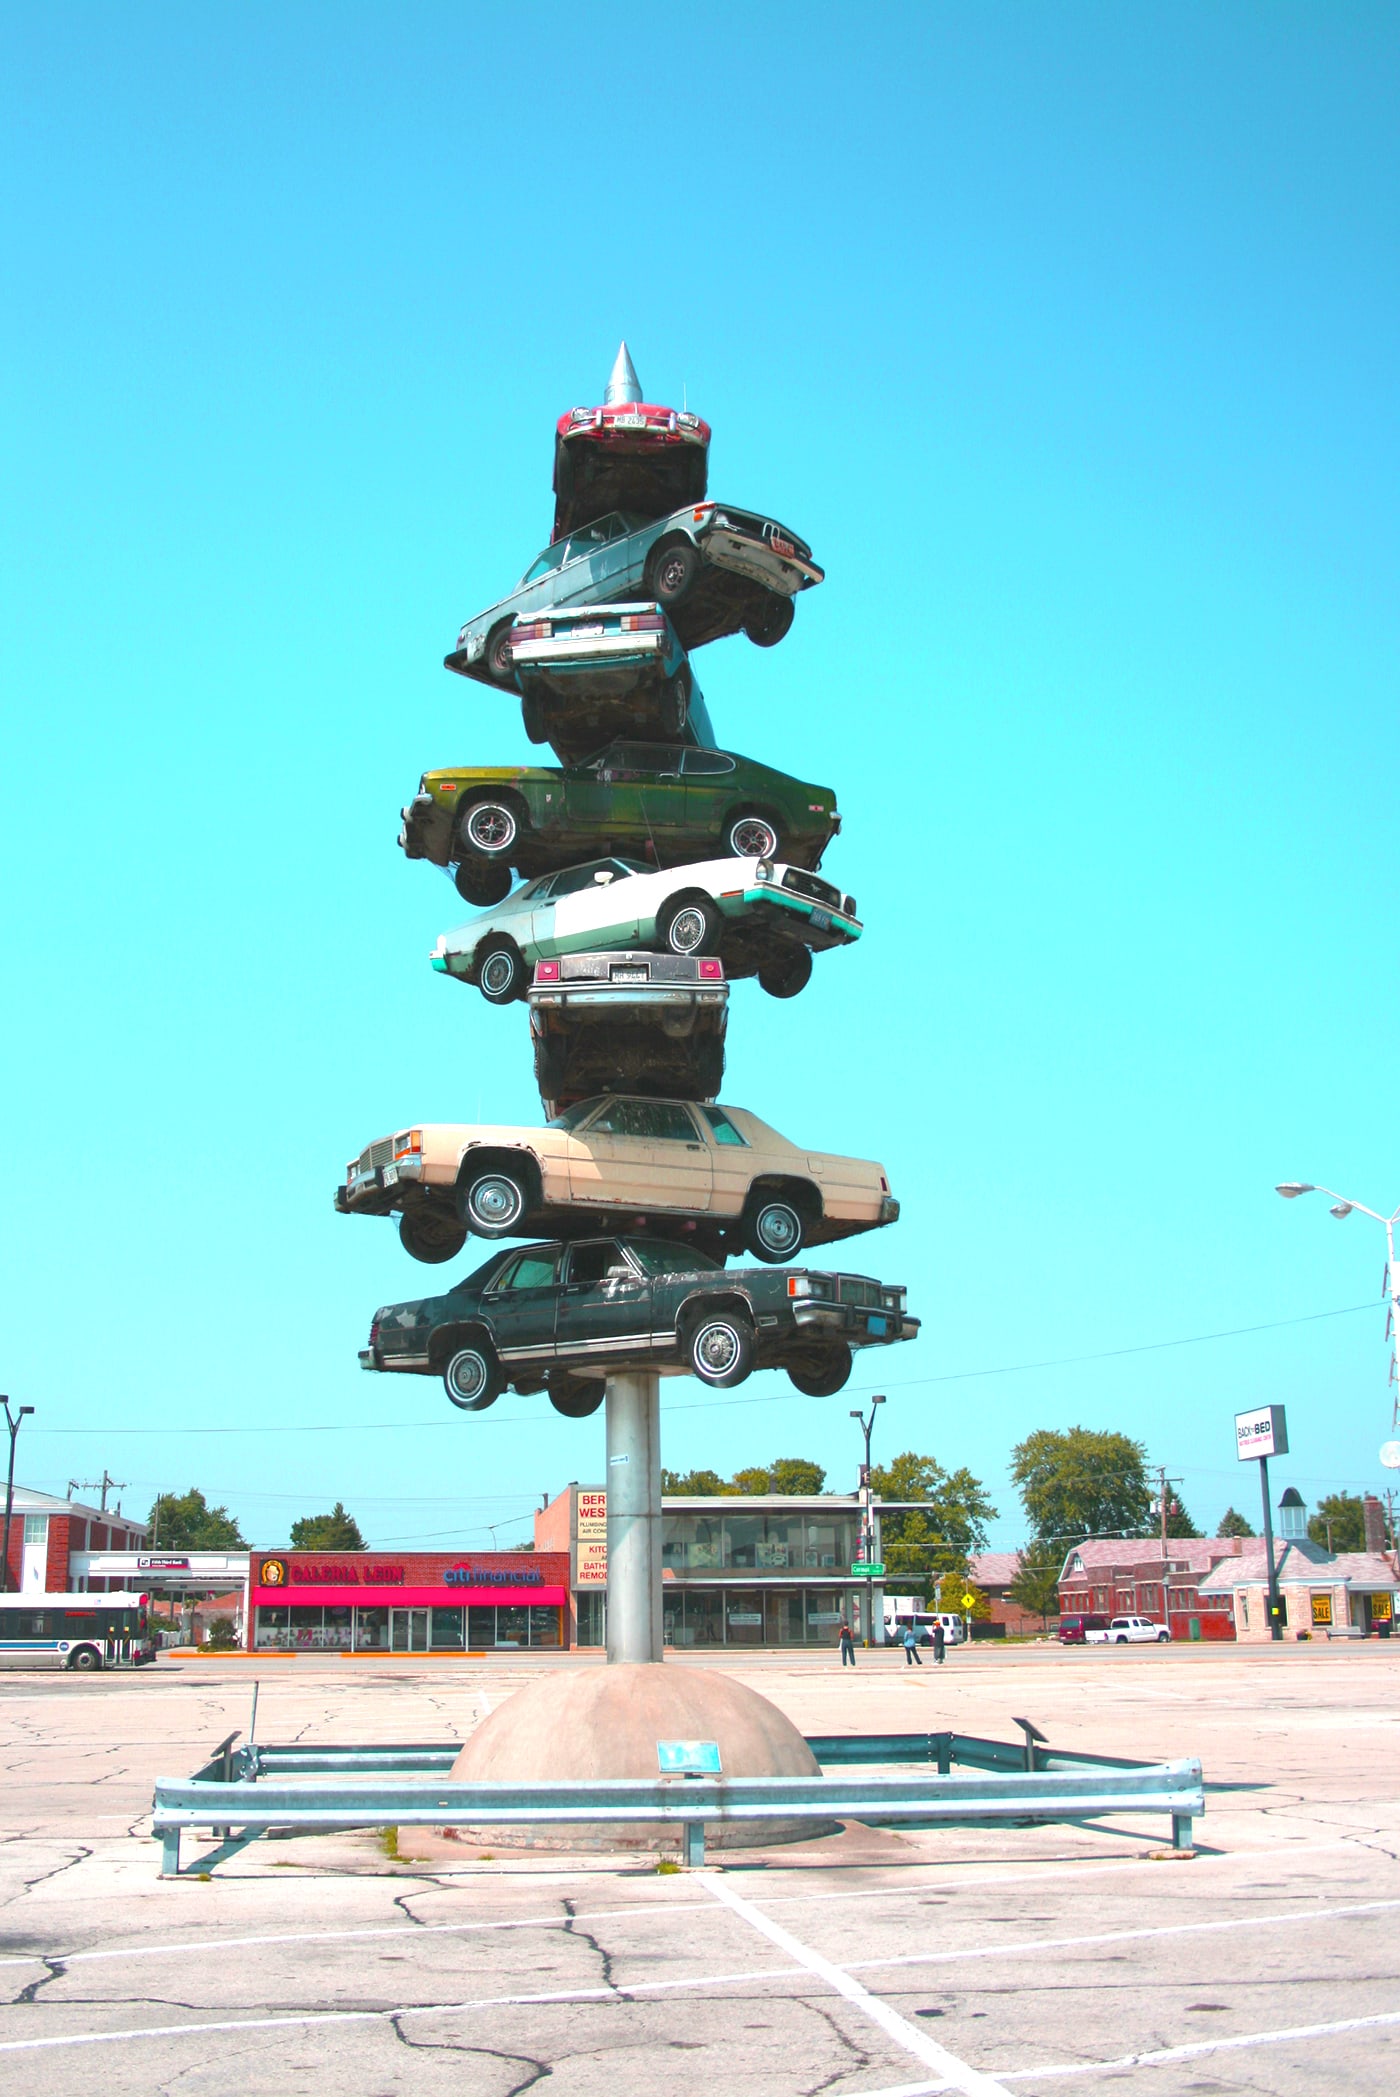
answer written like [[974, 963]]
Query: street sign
[[1264, 1432], [968, 1601], [867, 1572]]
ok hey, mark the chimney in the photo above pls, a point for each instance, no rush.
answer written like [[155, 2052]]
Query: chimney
[[1373, 1520]]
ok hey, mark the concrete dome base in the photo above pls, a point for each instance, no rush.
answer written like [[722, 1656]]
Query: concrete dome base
[[606, 1721]]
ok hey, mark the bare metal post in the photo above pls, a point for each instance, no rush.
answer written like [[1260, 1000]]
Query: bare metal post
[[634, 1517]]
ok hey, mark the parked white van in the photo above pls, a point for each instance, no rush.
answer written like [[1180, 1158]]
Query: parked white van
[[903, 1610]]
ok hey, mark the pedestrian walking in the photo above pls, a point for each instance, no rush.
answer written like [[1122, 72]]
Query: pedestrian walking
[[848, 1644], [939, 1641], [912, 1656]]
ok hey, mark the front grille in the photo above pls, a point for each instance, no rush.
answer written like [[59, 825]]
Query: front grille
[[804, 884], [763, 528], [865, 1295], [378, 1154]]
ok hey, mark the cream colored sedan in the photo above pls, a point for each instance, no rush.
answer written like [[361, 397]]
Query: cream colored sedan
[[716, 1175]]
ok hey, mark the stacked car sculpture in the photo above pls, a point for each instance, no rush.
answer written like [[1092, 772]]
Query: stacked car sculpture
[[657, 868]]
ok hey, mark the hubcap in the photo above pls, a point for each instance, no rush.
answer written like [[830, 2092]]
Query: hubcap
[[496, 1202], [754, 839], [468, 1376], [498, 974], [491, 829], [687, 931], [778, 1229], [672, 573], [718, 1349]]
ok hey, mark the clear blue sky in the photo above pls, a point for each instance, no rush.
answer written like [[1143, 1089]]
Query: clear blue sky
[[1068, 336]]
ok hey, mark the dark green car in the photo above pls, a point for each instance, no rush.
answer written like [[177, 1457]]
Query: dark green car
[[660, 803]]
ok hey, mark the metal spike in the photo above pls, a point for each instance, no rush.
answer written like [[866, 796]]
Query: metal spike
[[624, 385]]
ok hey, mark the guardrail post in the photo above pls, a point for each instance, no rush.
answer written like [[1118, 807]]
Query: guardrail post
[[1181, 1831], [170, 1853], [693, 1843]]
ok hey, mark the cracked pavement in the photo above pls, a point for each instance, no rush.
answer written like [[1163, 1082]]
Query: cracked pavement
[[1028, 1959]]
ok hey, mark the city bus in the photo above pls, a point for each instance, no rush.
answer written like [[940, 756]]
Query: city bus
[[79, 1631]]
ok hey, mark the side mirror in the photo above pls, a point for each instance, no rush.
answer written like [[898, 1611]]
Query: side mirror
[[604, 874]]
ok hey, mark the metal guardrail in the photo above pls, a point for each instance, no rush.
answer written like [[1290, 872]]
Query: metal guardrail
[[240, 1788]]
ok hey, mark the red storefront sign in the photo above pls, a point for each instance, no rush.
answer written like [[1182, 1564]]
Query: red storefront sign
[[417, 1579]]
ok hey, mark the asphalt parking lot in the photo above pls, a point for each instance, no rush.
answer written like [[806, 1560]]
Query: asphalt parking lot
[[872, 1963]]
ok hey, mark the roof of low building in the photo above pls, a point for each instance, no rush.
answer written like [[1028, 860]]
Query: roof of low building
[[1299, 1561], [993, 1568], [1195, 1554], [28, 1500]]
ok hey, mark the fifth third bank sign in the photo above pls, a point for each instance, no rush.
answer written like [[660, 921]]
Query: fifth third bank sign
[[1263, 1432]]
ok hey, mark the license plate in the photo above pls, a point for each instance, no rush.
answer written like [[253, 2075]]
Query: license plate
[[630, 975], [629, 422], [878, 1326], [390, 1175], [781, 545], [821, 919], [588, 633]]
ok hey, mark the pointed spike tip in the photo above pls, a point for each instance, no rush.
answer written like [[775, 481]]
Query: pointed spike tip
[[624, 385]]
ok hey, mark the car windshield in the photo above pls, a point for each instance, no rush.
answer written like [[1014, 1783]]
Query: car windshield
[[656, 1257], [572, 1116]]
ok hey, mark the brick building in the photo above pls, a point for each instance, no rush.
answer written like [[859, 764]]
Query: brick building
[[46, 1534], [406, 1602], [992, 1572], [1133, 1576]]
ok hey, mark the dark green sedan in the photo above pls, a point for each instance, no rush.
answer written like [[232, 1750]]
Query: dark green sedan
[[559, 1317], [660, 803]]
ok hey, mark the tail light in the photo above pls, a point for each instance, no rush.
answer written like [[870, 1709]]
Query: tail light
[[701, 511], [643, 622], [712, 972], [409, 1145], [531, 630], [884, 1184], [546, 971], [374, 1332]]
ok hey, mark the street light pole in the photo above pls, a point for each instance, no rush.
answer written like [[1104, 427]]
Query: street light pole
[[12, 1421], [867, 1546], [1341, 1209]]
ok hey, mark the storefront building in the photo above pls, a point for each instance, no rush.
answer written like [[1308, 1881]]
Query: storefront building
[[1352, 1594], [415, 1602], [750, 1570]]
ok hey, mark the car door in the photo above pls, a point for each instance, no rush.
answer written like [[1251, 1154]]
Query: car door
[[708, 777], [630, 792], [585, 916], [642, 1153], [580, 580], [604, 1304], [732, 1163], [520, 1302]]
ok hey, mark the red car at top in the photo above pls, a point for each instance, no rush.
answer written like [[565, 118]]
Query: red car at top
[[627, 455]]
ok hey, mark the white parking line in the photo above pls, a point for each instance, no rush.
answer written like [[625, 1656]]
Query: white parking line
[[1161, 2058], [957, 2074]]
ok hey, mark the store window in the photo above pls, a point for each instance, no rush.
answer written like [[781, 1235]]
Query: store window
[[744, 1617], [1322, 1608], [593, 1617], [545, 1625], [446, 1633], [271, 1628], [784, 1624], [512, 1626], [372, 1629]]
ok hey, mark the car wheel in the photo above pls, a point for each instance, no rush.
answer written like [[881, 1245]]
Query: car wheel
[[752, 837], [688, 925], [500, 661], [489, 829], [500, 972], [767, 627], [1120, 1640], [719, 1349], [86, 1659], [784, 978], [774, 1230], [428, 1235], [671, 571], [822, 1375], [577, 1400], [532, 713], [494, 1205], [471, 1379], [1163, 1638], [481, 884], [673, 706]]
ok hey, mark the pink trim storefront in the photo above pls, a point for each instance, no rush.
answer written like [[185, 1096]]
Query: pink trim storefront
[[419, 1602]]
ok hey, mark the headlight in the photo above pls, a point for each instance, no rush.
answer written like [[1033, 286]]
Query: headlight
[[764, 870]]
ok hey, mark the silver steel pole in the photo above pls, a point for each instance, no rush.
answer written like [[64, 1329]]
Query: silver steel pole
[[634, 1517]]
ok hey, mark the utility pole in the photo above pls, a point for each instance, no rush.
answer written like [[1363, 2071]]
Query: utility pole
[[105, 1484], [12, 1421], [867, 1524], [1162, 1483]]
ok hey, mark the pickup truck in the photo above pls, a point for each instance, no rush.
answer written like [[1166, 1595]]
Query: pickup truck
[[1129, 1631]]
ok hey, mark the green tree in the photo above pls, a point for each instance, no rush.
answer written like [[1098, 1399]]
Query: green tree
[[795, 1474], [186, 1522], [1179, 1522], [959, 1510], [1343, 1511], [1036, 1586], [753, 1479], [697, 1483], [336, 1531], [1232, 1524], [1080, 1482]]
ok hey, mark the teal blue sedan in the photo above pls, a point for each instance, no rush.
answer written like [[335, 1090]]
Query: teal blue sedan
[[714, 570]]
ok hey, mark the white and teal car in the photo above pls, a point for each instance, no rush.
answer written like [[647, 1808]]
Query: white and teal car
[[761, 917], [602, 671], [715, 570]]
